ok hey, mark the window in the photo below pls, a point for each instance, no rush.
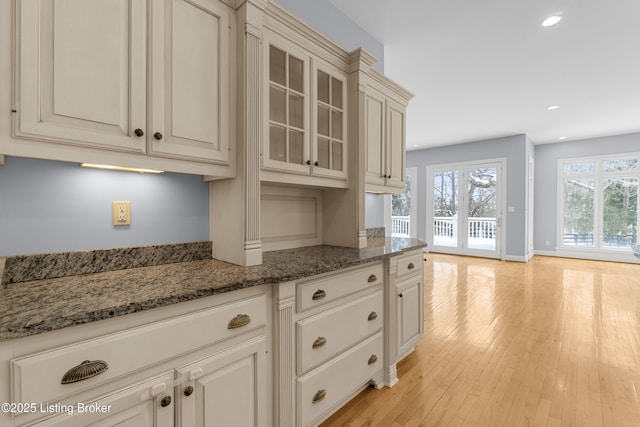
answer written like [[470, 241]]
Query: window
[[599, 202]]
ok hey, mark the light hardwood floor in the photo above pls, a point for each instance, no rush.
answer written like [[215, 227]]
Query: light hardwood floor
[[551, 342]]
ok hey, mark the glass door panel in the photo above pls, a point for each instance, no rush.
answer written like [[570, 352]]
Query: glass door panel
[[445, 208], [481, 208], [620, 212], [465, 208]]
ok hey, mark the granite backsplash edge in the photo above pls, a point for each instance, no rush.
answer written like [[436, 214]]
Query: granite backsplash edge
[[24, 268]]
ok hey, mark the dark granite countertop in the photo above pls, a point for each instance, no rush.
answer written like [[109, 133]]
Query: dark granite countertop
[[37, 306]]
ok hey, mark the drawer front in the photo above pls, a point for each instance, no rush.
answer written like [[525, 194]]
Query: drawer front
[[322, 388], [329, 333], [317, 292], [37, 378], [410, 264]]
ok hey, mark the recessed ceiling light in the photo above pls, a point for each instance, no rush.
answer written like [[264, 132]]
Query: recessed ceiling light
[[552, 20], [553, 107], [562, 137]]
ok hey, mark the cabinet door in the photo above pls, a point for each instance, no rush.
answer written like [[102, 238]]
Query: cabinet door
[[328, 145], [191, 93], [80, 72], [226, 389], [375, 137], [130, 407], [395, 146], [410, 314], [286, 146]]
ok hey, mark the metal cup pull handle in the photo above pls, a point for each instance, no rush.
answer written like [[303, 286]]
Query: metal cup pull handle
[[239, 321], [372, 278], [319, 294], [320, 394], [411, 266], [373, 359], [84, 371], [319, 342], [372, 316]]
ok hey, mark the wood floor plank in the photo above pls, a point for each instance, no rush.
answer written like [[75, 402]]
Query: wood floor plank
[[551, 342]]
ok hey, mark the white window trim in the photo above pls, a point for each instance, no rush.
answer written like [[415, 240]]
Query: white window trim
[[596, 251]]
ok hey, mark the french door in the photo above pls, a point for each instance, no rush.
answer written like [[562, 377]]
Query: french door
[[465, 208]]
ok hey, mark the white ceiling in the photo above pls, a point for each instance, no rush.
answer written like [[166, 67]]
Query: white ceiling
[[486, 68]]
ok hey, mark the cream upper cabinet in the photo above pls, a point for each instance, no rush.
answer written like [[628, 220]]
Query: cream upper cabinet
[[385, 111], [190, 90], [81, 73], [146, 78], [329, 144], [305, 105]]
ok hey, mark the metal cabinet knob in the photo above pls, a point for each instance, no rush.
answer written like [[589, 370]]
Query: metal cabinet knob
[[411, 266], [400, 295], [139, 132], [315, 163], [157, 136], [309, 162], [188, 391], [166, 401], [319, 294], [373, 359]]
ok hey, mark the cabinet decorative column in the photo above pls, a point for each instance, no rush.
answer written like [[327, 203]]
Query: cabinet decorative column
[[235, 204]]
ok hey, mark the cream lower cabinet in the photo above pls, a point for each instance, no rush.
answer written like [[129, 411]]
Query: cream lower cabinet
[[201, 368], [225, 389], [91, 83], [406, 294], [329, 342], [129, 407]]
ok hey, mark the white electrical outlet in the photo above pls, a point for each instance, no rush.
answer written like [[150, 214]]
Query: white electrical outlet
[[121, 213]]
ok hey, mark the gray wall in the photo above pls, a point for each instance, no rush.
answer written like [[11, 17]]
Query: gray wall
[[374, 210], [546, 176], [514, 149], [48, 206], [330, 21]]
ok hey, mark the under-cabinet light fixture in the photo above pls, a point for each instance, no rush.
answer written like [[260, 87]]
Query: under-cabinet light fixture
[[552, 20], [562, 137], [119, 168], [553, 107]]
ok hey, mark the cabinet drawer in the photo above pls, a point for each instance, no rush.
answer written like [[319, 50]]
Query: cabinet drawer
[[409, 264], [322, 388], [321, 291], [37, 378], [329, 333]]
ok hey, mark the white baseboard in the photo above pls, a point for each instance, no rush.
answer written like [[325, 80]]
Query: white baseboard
[[591, 255], [518, 258]]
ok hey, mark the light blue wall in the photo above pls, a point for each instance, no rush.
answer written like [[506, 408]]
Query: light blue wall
[[514, 149], [48, 206], [330, 21], [546, 176]]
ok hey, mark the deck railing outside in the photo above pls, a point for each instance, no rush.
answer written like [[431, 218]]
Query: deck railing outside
[[481, 228], [400, 226]]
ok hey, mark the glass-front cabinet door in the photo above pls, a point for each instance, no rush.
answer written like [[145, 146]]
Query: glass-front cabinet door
[[328, 146], [306, 115], [287, 146]]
